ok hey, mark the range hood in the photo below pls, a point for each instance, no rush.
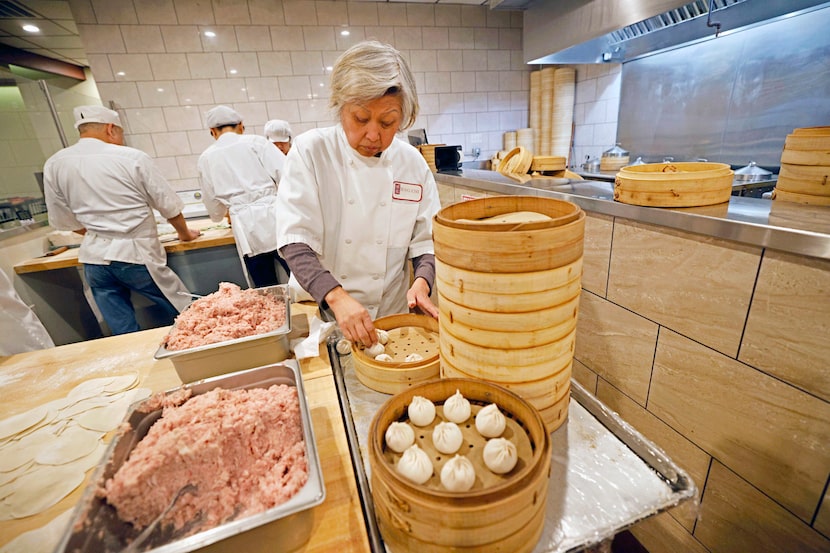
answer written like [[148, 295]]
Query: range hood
[[615, 31]]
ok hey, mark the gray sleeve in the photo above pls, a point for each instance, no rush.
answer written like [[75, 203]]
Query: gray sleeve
[[424, 266], [309, 272]]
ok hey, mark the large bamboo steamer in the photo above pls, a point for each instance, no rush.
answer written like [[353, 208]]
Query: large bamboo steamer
[[807, 142], [808, 199], [511, 303], [685, 184], [408, 333], [506, 321], [518, 251], [537, 281], [508, 339], [805, 157], [507, 515], [508, 365], [481, 214]]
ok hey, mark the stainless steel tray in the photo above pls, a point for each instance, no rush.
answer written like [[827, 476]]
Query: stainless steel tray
[[605, 476], [234, 355], [287, 526]]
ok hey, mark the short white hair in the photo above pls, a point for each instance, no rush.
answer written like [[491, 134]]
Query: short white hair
[[370, 70]]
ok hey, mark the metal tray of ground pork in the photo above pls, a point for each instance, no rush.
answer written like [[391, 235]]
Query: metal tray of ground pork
[[200, 362], [97, 528]]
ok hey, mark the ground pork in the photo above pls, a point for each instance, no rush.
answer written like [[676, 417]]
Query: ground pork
[[242, 449], [226, 314]]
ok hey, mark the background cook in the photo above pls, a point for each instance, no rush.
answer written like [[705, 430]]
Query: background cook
[[356, 203], [239, 176], [104, 190], [279, 133]]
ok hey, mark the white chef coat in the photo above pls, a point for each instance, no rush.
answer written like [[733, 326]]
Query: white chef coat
[[239, 175], [110, 190], [364, 217], [20, 329]]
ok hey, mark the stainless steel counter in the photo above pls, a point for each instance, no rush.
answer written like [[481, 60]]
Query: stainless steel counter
[[785, 226]]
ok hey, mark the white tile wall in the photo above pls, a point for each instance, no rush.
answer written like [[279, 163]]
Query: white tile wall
[[596, 110], [467, 62]]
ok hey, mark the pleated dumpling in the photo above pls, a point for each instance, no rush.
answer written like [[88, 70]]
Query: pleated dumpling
[[447, 437], [415, 465], [399, 436], [458, 474], [500, 455], [457, 408], [490, 422], [421, 411], [374, 351]]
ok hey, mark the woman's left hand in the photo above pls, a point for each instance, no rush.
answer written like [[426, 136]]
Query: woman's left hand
[[417, 297]]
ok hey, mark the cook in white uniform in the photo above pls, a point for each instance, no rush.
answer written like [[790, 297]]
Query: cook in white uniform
[[20, 329], [239, 176], [279, 133], [356, 203], [107, 192]]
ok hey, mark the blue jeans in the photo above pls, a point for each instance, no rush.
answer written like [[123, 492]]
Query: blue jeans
[[111, 286]]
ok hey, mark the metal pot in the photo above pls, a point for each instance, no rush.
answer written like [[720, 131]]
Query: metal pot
[[616, 151], [751, 173]]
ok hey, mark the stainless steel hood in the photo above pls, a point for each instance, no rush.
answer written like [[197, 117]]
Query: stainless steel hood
[[607, 31]]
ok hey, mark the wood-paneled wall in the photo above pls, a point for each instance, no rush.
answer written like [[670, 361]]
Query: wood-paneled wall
[[719, 353]]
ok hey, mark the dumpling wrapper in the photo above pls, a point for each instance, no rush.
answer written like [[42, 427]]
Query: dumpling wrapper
[[37, 491], [40, 540], [22, 421], [72, 444]]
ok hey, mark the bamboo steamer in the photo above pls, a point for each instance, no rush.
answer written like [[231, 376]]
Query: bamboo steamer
[[809, 199], [506, 321], [685, 184], [511, 303], [428, 151], [478, 214], [547, 163], [408, 333], [504, 514], [496, 283], [517, 161], [516, 251]]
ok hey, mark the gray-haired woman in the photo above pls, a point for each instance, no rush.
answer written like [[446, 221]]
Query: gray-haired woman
[[355, 203]]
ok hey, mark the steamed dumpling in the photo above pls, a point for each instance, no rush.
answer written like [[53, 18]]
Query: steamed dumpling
[[421, 411], [490, 422], [383, 336], [458, 474], [415, 465], [385, 357], [374, 351], [399, 436], [457, 408], [412, 357], [500, 455], [344, 346], [447, 437]]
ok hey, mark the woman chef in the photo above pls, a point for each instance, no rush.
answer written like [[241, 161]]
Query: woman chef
[[355, 203]]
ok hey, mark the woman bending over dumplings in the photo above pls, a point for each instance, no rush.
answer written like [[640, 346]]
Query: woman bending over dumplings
[[355, 203]]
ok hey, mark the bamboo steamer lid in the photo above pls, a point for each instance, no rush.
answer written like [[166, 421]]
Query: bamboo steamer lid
[[408, 333], [685, 184], [809, 199], [534, 117], [546, 111], [500, 512], [562, 115], [548, 163], [517, 161]]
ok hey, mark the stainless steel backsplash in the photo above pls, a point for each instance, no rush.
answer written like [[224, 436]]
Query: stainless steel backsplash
[[733, 99]]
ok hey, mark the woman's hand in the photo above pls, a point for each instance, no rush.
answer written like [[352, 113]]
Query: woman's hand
[[353, 319], [417, 297]]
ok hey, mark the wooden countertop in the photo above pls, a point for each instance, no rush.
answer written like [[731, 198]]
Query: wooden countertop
[[210, 238], [33, 378]]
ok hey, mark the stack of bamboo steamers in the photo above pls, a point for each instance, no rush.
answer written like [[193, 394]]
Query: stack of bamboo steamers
[[805, 167], [509, 274]]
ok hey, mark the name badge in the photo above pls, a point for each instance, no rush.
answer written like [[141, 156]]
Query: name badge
[[407, 192]]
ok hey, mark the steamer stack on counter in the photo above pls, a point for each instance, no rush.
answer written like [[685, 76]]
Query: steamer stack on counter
[[805, 167], [508, 275]]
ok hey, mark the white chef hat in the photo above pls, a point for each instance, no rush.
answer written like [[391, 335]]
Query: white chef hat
[[95, 114], [277, 130], [221, 116]]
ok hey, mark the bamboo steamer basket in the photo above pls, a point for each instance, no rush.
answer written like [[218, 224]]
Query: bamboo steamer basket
[[511, 303], [498, 283], [685, 184], [547, 163], [479, 214], [513, 251], [408, 333], [500, 513], [809, 199], [807, 146], [804, 179], [507, 321], [517, 161]]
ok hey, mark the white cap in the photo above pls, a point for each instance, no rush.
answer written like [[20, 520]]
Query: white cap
[[277, 130], [221, 116], [95, 114]]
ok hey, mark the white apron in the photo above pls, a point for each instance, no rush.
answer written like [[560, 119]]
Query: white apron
[[252, 223], [140, 246]]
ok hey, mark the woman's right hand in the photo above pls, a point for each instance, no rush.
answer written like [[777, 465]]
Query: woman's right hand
[[353, 319]]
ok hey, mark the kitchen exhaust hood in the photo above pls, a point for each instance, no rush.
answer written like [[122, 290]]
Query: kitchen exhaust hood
[[615, 31]]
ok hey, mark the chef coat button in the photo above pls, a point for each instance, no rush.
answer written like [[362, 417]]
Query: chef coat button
[[375, 277], [343, 277], [379, 242], [351, 201], [348, 240], [382, 204]]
